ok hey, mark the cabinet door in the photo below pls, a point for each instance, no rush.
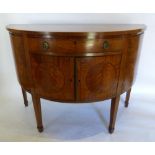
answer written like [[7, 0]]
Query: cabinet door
[[53, 77], [97, 77]]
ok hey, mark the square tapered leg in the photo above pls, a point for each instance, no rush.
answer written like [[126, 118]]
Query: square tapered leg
[[113, 113], [127, 98], [25, 97], [37, 109]]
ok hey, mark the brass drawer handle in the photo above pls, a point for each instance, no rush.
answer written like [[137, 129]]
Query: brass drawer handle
[[45, 45], [105, 44]]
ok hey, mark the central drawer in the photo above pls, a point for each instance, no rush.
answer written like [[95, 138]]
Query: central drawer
[[71, 45]]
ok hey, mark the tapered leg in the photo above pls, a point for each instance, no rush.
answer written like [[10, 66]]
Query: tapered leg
[[113, 113], [127, 97], [25, 97], [37, 109]]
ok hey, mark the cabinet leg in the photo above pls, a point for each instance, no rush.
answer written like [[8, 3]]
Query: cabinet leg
[[37, 109], [113, 113], [25, 97], [127, 97]]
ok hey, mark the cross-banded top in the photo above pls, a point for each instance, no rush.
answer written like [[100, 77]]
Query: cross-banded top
[[83, 28]]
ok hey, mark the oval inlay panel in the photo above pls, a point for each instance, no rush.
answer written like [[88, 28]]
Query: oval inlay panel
[[54, 83], [99, 77]]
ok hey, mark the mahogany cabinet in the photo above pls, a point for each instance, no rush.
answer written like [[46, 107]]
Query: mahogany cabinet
[[76, 63]]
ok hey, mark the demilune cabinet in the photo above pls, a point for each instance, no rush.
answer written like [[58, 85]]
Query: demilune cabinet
[[76, 63]]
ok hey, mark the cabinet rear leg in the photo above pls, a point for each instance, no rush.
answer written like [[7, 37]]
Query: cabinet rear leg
[[127, 98], [113, 113], [25, 97], [37, 109]]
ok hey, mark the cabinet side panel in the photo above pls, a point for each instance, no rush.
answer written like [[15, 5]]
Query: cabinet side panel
[[20, 61], [133, 52]]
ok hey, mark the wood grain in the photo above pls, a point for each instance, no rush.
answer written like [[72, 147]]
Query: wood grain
[[97, 77], [76, 63]]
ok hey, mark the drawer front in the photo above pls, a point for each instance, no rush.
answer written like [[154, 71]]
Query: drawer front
[[74, 45], [100, 45], [51, 45]]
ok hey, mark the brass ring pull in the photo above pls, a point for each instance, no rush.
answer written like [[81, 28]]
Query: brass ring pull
[[105, 44], [45, 45]]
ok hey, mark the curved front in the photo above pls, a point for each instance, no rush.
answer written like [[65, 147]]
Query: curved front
[[76, 68], [132, 58], [19, 52]]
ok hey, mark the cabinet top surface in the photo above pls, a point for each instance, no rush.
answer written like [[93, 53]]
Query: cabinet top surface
[[77, 28]]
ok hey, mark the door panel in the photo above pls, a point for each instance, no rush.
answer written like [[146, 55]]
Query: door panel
[[97, 77], [53, 76]]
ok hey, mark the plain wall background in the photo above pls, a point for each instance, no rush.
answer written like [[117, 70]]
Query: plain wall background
[[145, 82]]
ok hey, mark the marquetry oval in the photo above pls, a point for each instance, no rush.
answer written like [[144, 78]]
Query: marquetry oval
[[54, 83], [100, 76]]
